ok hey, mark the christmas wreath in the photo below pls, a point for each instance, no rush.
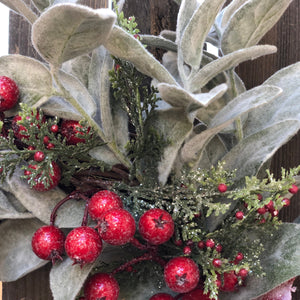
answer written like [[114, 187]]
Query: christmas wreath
[[141, 179]]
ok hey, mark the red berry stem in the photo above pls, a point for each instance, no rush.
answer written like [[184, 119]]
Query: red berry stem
[[136, 243], [86, 214], [73, 195]]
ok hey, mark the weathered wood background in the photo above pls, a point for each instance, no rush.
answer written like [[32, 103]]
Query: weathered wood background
[[153, 16]]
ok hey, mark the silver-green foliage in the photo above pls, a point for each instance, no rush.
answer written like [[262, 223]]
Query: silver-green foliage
[[197, 86]]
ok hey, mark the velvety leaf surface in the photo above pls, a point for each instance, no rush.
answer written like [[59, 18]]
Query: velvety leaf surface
[[245, 102], [32, 77], [227, 62], [178, 97], [250, 154], [123, 45], [158, 42], [280, 261], [41, 4], [71, 30], [41, 204], [251, 22], [16, 256], [191, 43], [285, 107]]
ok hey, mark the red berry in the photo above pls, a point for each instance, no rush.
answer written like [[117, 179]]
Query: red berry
[[187, 250], [286, 202], [116, 226], [239, 256], [54, 128], [156, 226], [48, 243], [230, 281], [181, 274], [55, 178], [178, 242], [243, 273], [39, 156], [70, 129], [210, 243], [239, 215], [201, 245], [102, 202], [9, 93], [259, 197], [270, 206], [222, 188], [219, 248], [31, 148], [196, 294], [101, 286], [83, 245], [162, 296], [50, 146], [262, 210], [294, 189], [217, 262], [275, 213]]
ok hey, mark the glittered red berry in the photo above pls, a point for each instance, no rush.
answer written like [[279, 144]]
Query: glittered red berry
[[239, 257], [156, 226], [286, 202], [222, 187], [39, 156], [243, 273], [50, 146], [239, 215], [229, 282], [217, 263], [262, 210], [54, 128], [270, 206], [181, 274], [9, 93], [101, 286], [83, 245], [196, 294], [48, 243], [294, 189], [210, 243], [52, 182], [219, 248], [70, 129], [187, 250], [103, 201], [201, 245], [162, 296], [259, 197], [116, 226]]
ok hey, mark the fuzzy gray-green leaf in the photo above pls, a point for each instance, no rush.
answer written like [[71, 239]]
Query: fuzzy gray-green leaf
[[123, 45], [280, 261], [251, 22], [284, 107], [178, 97], [41, 4], [158, 42], [65, 31], [193, 38], [32, 77], [245, 102], [209, 71], [253, 151], [16, 256]]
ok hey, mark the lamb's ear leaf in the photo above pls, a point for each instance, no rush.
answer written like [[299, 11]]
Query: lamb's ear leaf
[[41, 207], [16, 256], [178, 97], [251, 22], [67, 279], [192, 41], [32, 77], [125, 46], [41, 4], [249, 155], [286, 106], [78, 92], [246, 102], [229, 61], [280, 261], [158, 42], [84, 29], [10, 207], [22, 8]]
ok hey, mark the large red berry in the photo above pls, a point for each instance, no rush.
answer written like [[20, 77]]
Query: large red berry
[[52, 182], [162, 296], [222, 187], [83, 245], [70, 129], [196, 294], [9, 93], [48, 243], [294, 189], [181, 274], [102, 202], [156, 226], [229, 282], [39, 156], [101, 286], [116, 226]]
